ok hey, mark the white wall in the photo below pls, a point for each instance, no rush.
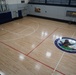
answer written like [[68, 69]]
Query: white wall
[[11, 1], [15, 1], [49, 11], [15, 5], [26, 1]]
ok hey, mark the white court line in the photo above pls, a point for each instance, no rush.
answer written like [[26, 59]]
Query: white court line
[[10, 31], [24, 30], [73, 34], [15, 32], [21, 46], [58, 63], [25, 35], [20, 36], [61, 57]]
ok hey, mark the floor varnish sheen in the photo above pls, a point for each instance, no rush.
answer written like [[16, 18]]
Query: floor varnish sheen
[[27, 47]]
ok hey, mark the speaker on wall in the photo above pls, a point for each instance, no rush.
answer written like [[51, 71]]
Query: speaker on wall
[[22, 1]]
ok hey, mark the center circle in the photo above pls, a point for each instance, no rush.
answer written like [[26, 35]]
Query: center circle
[[66, 44]]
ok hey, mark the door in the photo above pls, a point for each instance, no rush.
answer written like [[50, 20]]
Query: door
[[14, 14]]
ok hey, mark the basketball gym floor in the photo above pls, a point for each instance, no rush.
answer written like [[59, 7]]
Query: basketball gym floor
[[27, 47]]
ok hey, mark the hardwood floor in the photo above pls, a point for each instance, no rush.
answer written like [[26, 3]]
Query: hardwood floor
[[27, 47]]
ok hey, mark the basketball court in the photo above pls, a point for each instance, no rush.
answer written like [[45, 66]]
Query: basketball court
[[27, 47]]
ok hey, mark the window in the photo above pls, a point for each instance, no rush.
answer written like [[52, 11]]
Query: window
[[0, 8], [65, 2], [55, 2], [61, 2], [3, 6], [37, 1], [73, 2], [50, 1]]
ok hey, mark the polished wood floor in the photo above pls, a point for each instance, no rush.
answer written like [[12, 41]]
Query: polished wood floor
[[27, 47]]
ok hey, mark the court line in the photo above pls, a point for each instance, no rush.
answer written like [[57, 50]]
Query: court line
[[60, 72], [2, 29], [3, 34], [61, 58], [41, 42], [34, 30], [34, 49], [15, 32], [30, 57], [13, 48], [9, 31], [24, 35], [73, 34], [19, 46], [33, 58], [25, 29], [46, 65], [41, 62], [58, 63]]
